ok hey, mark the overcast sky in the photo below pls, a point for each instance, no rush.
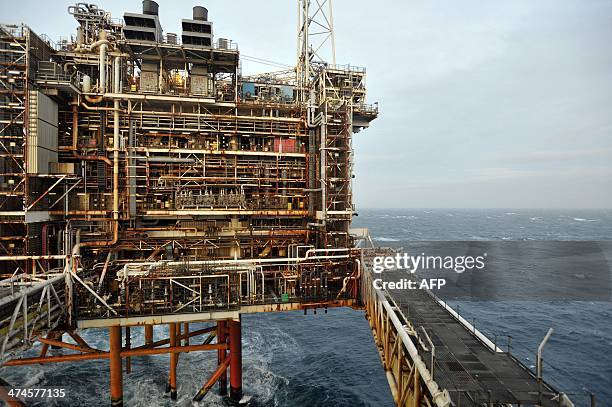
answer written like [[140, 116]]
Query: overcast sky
[[504, 104]]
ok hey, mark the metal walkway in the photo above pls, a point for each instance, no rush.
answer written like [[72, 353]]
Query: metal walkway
[[468, 369]]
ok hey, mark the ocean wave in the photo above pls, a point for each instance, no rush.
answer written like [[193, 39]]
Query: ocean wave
[[385, 239], [37, 378], [584, 220], [405, 217]]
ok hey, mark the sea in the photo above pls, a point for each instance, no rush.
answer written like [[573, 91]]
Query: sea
[[330, 359]]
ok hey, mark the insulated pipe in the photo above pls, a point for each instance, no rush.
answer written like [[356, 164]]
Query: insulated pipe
[[117, 75], [323, 175], [103, 48], [94, 99], [196, 115], [116, 142], [125, 272], [76, 250]]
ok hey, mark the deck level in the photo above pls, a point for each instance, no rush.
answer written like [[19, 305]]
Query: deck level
[[469, 366]]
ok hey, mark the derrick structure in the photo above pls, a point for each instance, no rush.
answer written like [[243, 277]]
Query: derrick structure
[[144, 180]]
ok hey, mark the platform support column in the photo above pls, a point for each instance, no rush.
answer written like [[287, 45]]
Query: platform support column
[[128, 345], [148, 333], [173, 361], [186, 333], [221, 355], [235, 345], [116, 374]]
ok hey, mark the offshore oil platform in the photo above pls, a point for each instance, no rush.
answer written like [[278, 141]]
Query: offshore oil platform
[[144, 180]]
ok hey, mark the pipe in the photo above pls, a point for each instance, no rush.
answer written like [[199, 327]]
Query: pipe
[[125, 272], [97, 108], [94, 99], [130, 96], [76, 250], [113, 241], [33, 257], [75, 137], [102, 67], [323, 175], [166, 159], [117, 75], [116, 144]]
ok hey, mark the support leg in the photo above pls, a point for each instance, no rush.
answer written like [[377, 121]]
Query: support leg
[[186, 333], [235, 343], [116, 377], [173, 361], [148, 332], [58, 336], [128, 345], [211, 382], [221, 356]]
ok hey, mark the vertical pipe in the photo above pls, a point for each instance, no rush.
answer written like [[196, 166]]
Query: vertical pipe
[[116, 142], [173, 360], [221, 355], [186, 333], [103, 49], [235, 344], [116, 378], [128, 345], [148, 332]]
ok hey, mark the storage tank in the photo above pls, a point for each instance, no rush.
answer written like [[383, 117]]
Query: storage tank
[[86, 83], [200, 13], [150, 7]]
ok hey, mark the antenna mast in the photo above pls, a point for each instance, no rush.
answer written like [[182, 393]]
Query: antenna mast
[[316, 43]]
